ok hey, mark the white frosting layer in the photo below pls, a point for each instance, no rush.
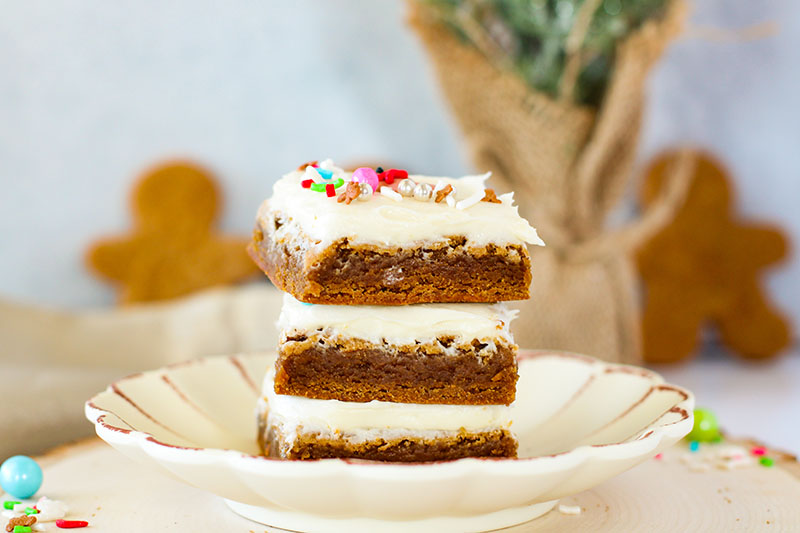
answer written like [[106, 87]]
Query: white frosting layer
[[383, 220], [399, 324], [333, 416]]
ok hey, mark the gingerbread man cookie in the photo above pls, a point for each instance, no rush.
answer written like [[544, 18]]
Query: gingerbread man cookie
[[704, 268], [173, 249]]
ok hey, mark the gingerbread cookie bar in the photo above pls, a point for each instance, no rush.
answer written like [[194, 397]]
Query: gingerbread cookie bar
[[330, 239], [298, 428], [424, 353]]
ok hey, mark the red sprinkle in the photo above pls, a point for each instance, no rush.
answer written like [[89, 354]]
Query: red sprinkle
[[758, 450], [306, 183], [659, 456], [330, 190], [71, 524], [395, 174]]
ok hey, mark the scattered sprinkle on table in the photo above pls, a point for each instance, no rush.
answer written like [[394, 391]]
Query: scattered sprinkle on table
[[758, 450], [694, 446], [19, 523], [71, 524], [569, 509], [766, 461]]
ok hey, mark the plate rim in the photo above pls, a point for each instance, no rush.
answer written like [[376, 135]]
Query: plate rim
[[650, 441]]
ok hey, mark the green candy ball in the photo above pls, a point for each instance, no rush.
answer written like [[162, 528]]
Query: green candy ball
[[706, 427]]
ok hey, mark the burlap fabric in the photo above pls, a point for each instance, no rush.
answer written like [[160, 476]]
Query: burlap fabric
[[569, 166]]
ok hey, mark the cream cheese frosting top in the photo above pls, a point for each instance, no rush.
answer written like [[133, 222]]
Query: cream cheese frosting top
[[399, 324], [347, 417], [390, 219]]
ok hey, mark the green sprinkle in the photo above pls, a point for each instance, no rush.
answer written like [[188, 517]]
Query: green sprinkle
[[767, 461], [9, 504], [320, 187], [30, 510], [22, 529]]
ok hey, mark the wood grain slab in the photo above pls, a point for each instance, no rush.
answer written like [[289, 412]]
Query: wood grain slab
[[662, 495]]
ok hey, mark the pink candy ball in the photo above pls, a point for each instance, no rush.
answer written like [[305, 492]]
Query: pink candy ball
[[366, 175]]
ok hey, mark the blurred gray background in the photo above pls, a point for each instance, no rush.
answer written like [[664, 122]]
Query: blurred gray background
[[93, 92]]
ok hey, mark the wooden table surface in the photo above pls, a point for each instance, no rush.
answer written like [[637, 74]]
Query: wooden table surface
[[662, 495]]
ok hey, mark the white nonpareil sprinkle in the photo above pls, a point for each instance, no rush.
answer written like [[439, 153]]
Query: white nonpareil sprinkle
[[50, 510], [450, 199], [569, 509], [313, 175], [469, 201], [394, 195]]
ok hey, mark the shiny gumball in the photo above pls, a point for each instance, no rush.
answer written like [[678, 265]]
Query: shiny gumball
[[20, 476], [364, 192], [366, 175], [406, 187], [423, 192], [706, 427]]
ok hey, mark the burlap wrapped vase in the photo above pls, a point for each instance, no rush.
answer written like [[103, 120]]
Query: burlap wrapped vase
[[569, 165]]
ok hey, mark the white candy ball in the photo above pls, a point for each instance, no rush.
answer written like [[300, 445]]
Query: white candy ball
[[406, 187], [423, 192], [364, 191]]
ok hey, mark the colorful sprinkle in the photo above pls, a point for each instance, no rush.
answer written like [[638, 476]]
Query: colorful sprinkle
[[758, 450], [306, 183], [323, 187], [9, 504], [22, 529], [394, 174], [307, 164], [330, 190], [325, 173], [659, 456], [388, 192], [50, 510], [71, 524], [366, 175], [694, 446], [490, 196], [766, 461], [30, 510]]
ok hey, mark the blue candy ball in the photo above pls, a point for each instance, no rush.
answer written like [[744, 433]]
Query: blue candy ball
[[20, 476]]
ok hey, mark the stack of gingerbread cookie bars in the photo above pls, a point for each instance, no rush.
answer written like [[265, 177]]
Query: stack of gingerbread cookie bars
[[393, 345]]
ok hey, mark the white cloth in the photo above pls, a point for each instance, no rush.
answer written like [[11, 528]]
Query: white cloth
[[51, 362]]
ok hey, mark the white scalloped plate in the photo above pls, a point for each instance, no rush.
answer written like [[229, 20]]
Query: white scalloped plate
[[579, 422]]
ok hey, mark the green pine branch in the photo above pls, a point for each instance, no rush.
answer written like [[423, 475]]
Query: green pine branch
[[529, 37]]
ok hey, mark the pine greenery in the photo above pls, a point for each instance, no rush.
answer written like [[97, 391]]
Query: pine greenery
[[529, 36]]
